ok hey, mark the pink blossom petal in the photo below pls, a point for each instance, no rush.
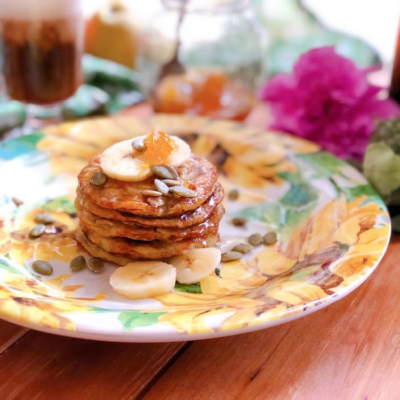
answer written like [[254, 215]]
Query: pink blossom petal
[[329, 100]]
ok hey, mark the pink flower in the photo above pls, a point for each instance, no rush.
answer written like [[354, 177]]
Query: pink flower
[[328, 100]]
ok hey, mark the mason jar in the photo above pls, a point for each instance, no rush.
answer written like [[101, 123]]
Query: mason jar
[[219, 46]]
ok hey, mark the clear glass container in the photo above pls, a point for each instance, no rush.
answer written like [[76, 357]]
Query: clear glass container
[[219, 46], [42, 46], [395, 84]]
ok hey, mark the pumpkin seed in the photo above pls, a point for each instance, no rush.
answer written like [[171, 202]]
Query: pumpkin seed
[[37, 231], [161, 186], [77, 264], [153, 193], [98, 179], [139, 144], [233, 194], [172, 170], [270, 238], [17, 201], [182, 191], [95, 265], [42, 267], [255, 239], [171, 182], [44, 219], [242, 248], [239, 221], [164, 172], [230, 256]]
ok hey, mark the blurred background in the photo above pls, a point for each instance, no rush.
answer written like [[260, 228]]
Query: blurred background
[[203, 57], [374, 21]]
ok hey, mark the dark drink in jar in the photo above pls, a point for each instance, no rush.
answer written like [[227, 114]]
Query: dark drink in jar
[[42, 49], [395, 85]]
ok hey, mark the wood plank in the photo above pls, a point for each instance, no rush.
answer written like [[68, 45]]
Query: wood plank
[[43, 366], [9, 334], [349, 350]]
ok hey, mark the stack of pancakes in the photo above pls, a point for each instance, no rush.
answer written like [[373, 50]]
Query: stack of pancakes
[[119, 223]]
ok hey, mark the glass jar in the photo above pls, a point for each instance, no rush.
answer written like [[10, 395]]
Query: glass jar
[[395, 84], [214, 58]]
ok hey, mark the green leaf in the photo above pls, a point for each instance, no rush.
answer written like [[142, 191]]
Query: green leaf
[[295, 216], [13, 148], [298, 202], [60, 204], [295, 178], [396, 223], [304, 273], [324, 163], [361, 190], [382, 168], [271, 213], [299, 195], [6, 264], [136, 319], [185, 288]]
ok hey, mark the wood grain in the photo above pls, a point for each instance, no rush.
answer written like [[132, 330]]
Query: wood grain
[[43, 366], [350, 350], [9, 334]]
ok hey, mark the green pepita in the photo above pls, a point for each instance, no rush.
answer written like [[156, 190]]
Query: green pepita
[[161, 186], [164, 172], [44, 219], [239, 221], [242, 248], [77, 264], [152, 193], [270, 238], [95, 265], [98, 179], [42, 267], [171, 182], [231, 256], [181, 191], [255, 239], [37, 231], [138, 144], [233, 194]]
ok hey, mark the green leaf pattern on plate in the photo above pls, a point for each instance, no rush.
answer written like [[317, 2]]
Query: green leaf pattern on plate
[[135, 319]]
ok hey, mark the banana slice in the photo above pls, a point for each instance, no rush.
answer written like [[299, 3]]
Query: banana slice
[[181, 153], [144, 279], [196, 264], [123, 163], [119, 162]]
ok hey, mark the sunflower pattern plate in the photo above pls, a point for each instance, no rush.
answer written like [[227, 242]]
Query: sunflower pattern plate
[[332, 228]]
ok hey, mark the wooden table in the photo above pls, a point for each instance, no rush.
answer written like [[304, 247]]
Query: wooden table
[[349, 350]]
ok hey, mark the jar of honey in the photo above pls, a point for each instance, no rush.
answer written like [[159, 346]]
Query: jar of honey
[[203, 57]]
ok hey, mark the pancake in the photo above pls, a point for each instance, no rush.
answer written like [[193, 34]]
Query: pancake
[[154, 250], [187, 219], [111, 228], [98, 252], [195, 173]]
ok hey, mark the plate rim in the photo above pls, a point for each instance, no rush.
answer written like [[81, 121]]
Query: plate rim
[[158, 336], [174, 336]]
